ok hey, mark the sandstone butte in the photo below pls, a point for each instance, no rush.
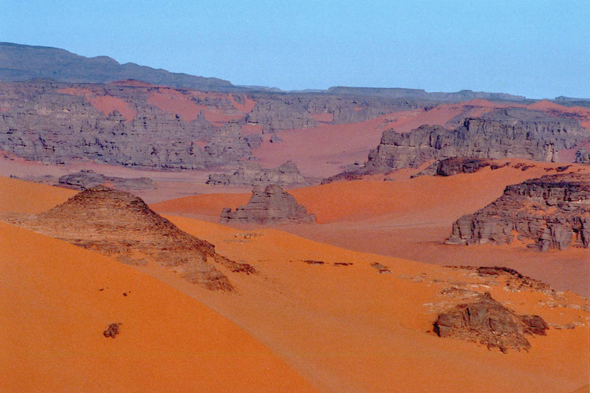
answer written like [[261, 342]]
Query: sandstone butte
[[325, 311]]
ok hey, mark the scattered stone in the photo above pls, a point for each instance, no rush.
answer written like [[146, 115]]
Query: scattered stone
[[342, 263], [312, 262], [112, 330], [381, 268], [270, 205]]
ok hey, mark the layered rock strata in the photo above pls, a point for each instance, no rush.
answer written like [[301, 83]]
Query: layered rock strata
[[122, 226], [505, 133], [269, 205], [551, 212], [254, 174]]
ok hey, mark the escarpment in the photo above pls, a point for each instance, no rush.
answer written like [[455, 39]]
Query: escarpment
[[505, 133], [551, 212]]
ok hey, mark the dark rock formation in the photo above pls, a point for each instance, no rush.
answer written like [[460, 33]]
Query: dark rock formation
[[487, 322], [88, 178], [254, 174], [270, 205], [552, 212], [122, 226], [506, 133]]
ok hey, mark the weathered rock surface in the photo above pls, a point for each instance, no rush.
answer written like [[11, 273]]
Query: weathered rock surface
[[582, 156], [87, 178], [269, 205], [551, 212], [505, 133], [120, 225], [253, 174], [488, 322]]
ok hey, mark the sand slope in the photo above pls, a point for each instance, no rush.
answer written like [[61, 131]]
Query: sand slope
[[349, 328], [57, 299], [26, 197]]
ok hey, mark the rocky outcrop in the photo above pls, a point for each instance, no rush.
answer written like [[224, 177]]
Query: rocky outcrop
[[506, 133], [122, 226], [551, 212], [456, 165], [87, 178], [249, 174], [488, 322], [582, 156], [269, 205]]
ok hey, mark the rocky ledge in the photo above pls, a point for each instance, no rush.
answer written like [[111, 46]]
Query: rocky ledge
[[270, 205], [253, 174], [551, 212]]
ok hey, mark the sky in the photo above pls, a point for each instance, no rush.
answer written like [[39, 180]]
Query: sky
[[540, 48]]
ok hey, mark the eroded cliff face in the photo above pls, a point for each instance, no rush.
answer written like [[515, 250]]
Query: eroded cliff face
[[40, 122], [551, 212], [505, 133]]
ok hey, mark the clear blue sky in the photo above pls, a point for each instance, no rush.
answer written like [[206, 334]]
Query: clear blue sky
[[535, 48]]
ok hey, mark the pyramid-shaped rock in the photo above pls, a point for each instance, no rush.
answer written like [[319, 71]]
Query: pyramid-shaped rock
[[120, 225], [269, 205]]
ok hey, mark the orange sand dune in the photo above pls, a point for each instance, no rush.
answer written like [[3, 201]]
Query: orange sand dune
[[26, 197], [58, 299], [105, 103], [419, 200], [351, 329], [412, 219]]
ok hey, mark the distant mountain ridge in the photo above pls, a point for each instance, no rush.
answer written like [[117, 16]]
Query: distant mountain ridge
[[460, 96], [26, 62]]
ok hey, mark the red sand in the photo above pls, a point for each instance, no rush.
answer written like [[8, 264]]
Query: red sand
[[25, 197], [175, 102], [106, 104]]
